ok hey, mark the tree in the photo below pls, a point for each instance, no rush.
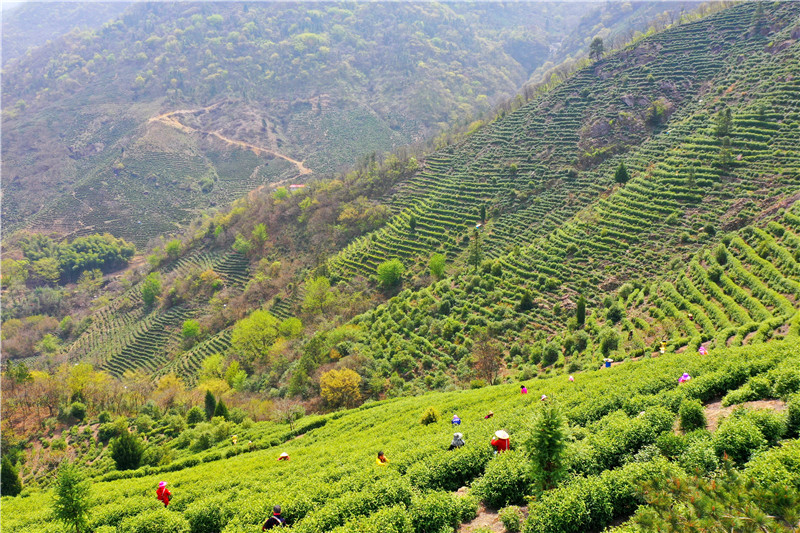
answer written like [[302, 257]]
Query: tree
[[127, 450], [340, 388], [10, 484], [488, 356], [412, 223], [437, 264], [724, 122], [482, 213], [211, 405], [546, 444], [596, 49], [221, 410], [526, 301], [475, 253], [390, 272], [621, 175], [151, 288], [580, 311], [319, 296], [71, 497], [253, 336], [190, 330]]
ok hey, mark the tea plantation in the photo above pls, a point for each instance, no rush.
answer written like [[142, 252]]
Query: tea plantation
[[620, 435], [667, 256]]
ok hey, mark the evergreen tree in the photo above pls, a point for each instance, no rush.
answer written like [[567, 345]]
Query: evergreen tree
[[724, 121], [211, 405], [71, 497], [412, 223], [221, 410], [526, 302], [127, 450], [546, 444], [10, 484], [621, 175], [475, 253], [580, 311], [483, 213]]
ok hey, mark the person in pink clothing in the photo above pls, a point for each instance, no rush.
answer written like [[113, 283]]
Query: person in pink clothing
[[163, 493], [523, 389]]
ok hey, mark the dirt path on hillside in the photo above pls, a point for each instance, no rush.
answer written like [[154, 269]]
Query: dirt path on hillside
[[169, 119], [715, 412]]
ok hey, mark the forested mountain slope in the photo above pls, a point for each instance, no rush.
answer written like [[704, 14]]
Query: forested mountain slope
[[134, 127], [704, 116], [31, 24]]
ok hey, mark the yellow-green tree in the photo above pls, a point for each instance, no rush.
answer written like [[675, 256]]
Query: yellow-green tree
[[253, 336], [340, 388]]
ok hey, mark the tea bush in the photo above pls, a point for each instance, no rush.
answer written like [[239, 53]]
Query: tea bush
[[692, 416], [506, 481]]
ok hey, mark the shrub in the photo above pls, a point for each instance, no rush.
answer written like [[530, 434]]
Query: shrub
[[793, 416], [777, 466], [506, 481], [786, 382], [155, 521], [550, 353], [107, 431], [208, 515], [390, 272], [196, 415], [738, 438], [511, 517], [10, 483], [770, 423], [393, 519], [77, 410], [430, 416], [126, 450], [449, 470], [671, 445], [590, 503], [104, 417], [692, 416], [434, 511], [699, 455]]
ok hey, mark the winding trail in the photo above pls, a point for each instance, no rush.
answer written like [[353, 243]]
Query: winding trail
[[169, 119]]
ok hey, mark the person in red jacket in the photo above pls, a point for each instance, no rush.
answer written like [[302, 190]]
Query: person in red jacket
[[163, 493], [501, 442]]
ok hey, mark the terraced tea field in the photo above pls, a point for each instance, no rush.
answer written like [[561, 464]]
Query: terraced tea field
[[620, 417]]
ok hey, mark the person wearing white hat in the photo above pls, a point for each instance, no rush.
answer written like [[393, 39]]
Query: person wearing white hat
[[501, 442], [283, 457]]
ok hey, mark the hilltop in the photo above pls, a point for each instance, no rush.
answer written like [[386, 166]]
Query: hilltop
[[243, 91]]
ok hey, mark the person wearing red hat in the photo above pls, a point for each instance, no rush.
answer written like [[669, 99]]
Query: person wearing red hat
[[163, 493]]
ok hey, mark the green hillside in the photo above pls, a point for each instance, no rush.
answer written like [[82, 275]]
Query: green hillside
[[137, 126], [668, 243], [620, 434]]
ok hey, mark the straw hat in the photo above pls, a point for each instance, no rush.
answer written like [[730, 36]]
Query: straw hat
[[162, 484], [284, 454], [501, 434]]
